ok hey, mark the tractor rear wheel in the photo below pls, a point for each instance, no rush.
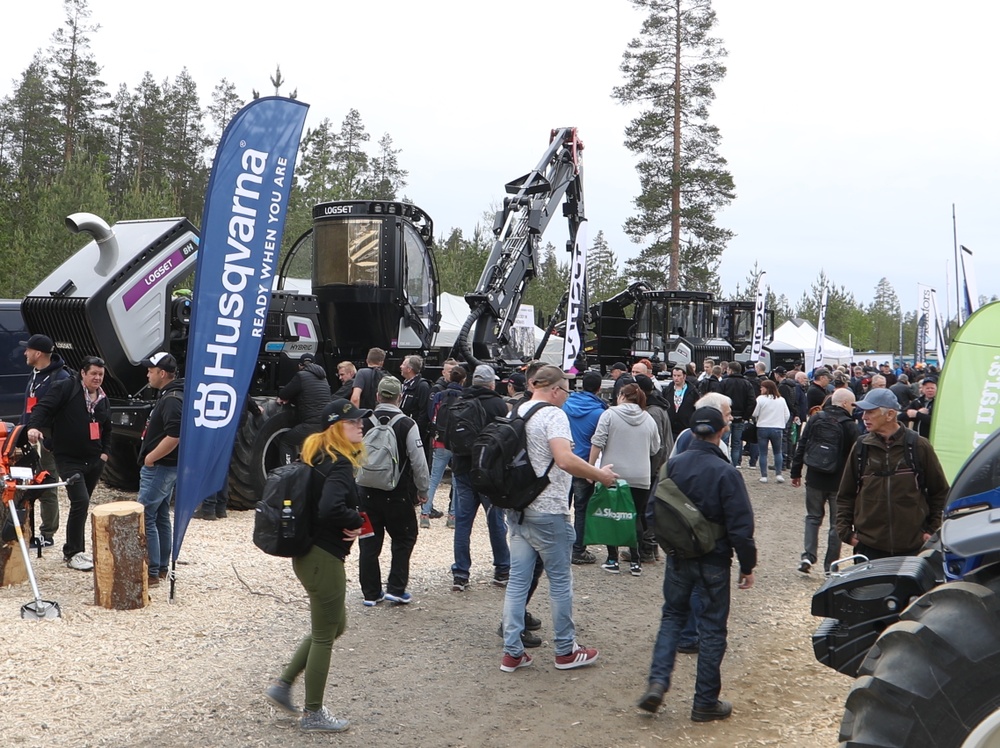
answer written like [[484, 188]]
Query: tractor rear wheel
[[933, 678], [256, 451]]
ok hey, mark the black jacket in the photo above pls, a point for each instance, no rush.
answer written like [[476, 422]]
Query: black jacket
[[815, 395], [742, 393], [707, 477], [922, 422], [494, 405], [309, 391], [41, 380], [415, 401], [164, 420], [64, 408], [680, 418], [333, 482]]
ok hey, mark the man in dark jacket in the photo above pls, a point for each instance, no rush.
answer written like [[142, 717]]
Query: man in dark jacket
[[703, 473], [77, 410], [681, 397], [392, 511], [468, 501], [416, 398], [744, 399], [818, 389], [886, 510], [47, 368], [158, 460], [309, 391], [821, 486], [919, 411]]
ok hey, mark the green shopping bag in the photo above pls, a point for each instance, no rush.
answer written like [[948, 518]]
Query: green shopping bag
[[610, 517]]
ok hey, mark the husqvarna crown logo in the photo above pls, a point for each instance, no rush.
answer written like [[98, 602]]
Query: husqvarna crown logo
[[215, 405]]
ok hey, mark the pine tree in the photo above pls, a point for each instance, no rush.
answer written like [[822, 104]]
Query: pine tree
[[350, 160], [603, 277], [30, 140], [80, 94], [386, 178], [669, 71], [884, 317], [225, 104], [184, 145]]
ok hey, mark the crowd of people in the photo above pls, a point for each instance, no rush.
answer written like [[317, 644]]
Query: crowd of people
[[857, 433]]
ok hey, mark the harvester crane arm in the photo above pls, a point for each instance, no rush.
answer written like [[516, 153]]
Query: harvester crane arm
[[518, 227]]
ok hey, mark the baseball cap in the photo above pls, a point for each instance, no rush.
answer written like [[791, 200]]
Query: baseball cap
[[343, 410], [161, 360], [306, 358], [822, 371], [619, 366], [930, 379], [483, 374], [644, 382], [880, 398], [707, 421], [518, 380], [591, 381], [40, 343], [390, 386], [780, 370]]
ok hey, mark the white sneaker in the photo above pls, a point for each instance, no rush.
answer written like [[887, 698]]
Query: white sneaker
[[763, 480], [780, 479], [81, 562]]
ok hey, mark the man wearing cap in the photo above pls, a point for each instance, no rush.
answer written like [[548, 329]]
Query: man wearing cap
[[818, 391], [158, 460], [516, 385], [919, 411], [704, 474], [583, 407], [47, 368], [887, 510], [467, 501], [392, 511], [620, 376], [309, 391], [77, 411]]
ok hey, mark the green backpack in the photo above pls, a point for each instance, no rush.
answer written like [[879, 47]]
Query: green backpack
[[679, 525]]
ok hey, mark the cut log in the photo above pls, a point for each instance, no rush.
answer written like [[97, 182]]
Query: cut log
[[12, 568], [120, 567]]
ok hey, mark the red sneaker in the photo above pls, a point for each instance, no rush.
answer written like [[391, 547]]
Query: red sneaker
[[579, 657], [510, 663]]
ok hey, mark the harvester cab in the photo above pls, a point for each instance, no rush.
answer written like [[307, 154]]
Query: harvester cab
[[677, 327]]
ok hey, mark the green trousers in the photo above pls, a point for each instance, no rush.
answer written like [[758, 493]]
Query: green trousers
[[322, 574]]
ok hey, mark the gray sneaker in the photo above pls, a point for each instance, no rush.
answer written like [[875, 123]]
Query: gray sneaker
[[322, 721], [279, 693]]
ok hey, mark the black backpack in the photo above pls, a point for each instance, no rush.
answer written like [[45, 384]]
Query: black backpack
[[466, 418], [286, 486], [501, 470], [825, 441], [442, 410]]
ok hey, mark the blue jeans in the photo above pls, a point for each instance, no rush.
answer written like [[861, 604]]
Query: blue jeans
[[549, 537], [467, 503], [155, 486], [817, 502], [439, 462], [680, 579], [772, 436], [583, 489], [736, 442]]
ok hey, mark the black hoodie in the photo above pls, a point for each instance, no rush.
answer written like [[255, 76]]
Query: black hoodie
[[41, 380], [309, 390]]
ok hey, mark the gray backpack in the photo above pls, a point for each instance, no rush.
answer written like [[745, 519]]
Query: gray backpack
[[382, 466]]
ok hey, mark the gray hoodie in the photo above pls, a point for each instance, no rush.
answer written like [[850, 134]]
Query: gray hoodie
[[627, 436]]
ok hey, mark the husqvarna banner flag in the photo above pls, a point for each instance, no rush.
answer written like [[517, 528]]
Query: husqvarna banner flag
[[575, 309], [245, 207], [820, 332], [757, 347]]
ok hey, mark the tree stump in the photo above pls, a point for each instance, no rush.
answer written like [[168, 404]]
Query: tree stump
[[12, 568], [120, 567]]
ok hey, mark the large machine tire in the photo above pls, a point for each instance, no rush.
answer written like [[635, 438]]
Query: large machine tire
[[256, 451], [122, 468], [933, 678]]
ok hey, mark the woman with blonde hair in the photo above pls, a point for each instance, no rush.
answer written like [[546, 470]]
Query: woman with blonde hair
[[334, 453]]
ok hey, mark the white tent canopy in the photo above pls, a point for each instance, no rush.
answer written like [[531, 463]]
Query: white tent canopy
[[800, 334]]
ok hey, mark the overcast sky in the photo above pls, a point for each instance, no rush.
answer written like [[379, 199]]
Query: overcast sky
[[850, 128]]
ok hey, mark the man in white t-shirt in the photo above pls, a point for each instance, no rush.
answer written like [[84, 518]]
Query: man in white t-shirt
[[546, 529]]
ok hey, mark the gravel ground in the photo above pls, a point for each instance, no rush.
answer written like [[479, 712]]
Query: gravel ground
[[192, 672]]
